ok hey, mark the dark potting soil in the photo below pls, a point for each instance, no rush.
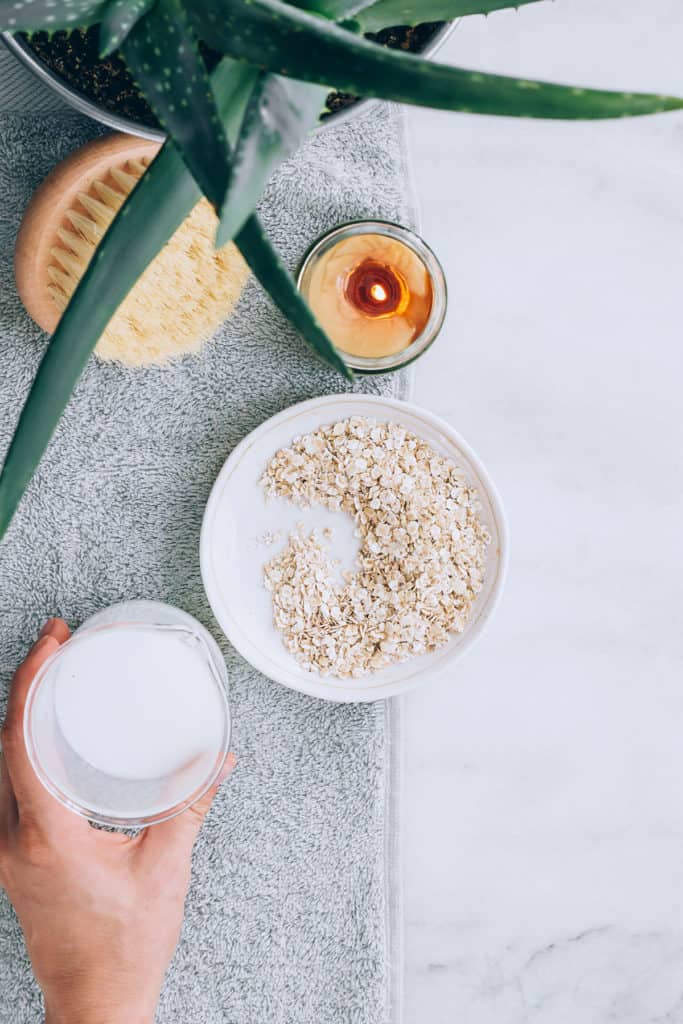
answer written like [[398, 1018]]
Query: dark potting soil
[[74, 57]]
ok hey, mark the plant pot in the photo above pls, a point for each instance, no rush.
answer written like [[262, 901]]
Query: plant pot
[[120, 122]]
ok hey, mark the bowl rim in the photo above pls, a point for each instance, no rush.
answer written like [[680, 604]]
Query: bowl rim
[[120, 123], [309, 683]]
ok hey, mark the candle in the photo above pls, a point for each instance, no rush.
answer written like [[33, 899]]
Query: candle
[[378, 291]]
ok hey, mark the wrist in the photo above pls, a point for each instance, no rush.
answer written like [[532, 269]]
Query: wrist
[[66, 1014], [96, 1017]]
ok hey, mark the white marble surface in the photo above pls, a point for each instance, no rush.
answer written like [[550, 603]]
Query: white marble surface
[[544, 780]]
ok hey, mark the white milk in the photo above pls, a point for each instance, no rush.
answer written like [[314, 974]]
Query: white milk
[[139, 703]]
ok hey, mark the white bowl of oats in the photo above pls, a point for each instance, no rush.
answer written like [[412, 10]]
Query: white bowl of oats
[[353, 547]]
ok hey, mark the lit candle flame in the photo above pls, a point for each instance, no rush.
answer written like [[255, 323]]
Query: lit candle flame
[[378, 292]]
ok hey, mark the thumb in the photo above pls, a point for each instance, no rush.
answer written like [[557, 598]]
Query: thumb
[[177, 836]]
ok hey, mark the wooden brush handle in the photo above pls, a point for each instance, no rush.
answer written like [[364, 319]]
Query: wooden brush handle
[[46, 214]]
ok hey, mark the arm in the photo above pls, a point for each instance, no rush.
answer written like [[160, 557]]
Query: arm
[[101, 912]]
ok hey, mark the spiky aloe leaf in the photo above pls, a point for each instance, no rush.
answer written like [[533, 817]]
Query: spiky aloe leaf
[[336, 10], [163, 198], [51, 15], [374, 17], [233, 85], [163, 55], [119, 20], [279, 115], [293, 42], [257, 250], [154, 210]]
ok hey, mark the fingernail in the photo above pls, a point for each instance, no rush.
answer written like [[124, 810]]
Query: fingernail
[[45, 631], [41, 642]]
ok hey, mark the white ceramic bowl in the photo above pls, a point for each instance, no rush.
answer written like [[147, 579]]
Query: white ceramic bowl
[[238, 520]]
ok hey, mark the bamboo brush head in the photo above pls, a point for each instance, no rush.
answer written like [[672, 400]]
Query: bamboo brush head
[[180, 300]]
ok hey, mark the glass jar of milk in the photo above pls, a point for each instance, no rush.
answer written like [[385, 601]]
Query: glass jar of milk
[[128, 723]]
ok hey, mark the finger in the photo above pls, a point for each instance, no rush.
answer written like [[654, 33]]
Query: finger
[[42, 649], [30, 795], [56, 628], [54, 633], [9, 814], [175, 838]]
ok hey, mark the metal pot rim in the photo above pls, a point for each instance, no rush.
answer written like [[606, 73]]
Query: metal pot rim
[[76, 99]]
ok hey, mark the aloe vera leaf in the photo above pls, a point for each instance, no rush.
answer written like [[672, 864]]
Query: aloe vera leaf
[[374, 17], [49, 15], [259, 253], [336, 10], [121, 257], [161, 201], [233, 84], [119, 20], [163, 55], [292, 42], [280, 113], [369, 16]]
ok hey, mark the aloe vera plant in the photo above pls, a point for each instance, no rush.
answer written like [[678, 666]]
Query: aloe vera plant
[[229, 130]]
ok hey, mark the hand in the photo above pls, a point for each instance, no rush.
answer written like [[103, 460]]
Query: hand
[[101, 912]]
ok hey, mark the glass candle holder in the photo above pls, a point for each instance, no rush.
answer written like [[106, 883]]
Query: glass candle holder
[[379, 292], [128, 723]]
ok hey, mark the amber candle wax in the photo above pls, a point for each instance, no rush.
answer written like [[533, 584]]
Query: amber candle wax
[[374, 292]]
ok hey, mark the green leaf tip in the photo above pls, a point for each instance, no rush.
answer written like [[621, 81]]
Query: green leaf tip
[[119, 20], [279, 115], [259, 253], [293, 42]]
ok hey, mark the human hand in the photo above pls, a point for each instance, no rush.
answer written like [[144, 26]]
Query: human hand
[[101, 912]]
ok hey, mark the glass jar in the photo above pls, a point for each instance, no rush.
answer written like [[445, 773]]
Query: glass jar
[[321, 251], [128, 723]]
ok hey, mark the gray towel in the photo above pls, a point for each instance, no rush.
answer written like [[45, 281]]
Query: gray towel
[[293, 914]]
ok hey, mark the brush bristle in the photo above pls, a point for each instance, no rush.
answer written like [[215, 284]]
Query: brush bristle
[[180, 300]]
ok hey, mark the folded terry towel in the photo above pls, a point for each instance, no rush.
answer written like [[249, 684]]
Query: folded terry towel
[[293, 912]]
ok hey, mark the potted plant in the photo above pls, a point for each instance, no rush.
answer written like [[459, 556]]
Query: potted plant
[[228, 130], [104, 88]]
